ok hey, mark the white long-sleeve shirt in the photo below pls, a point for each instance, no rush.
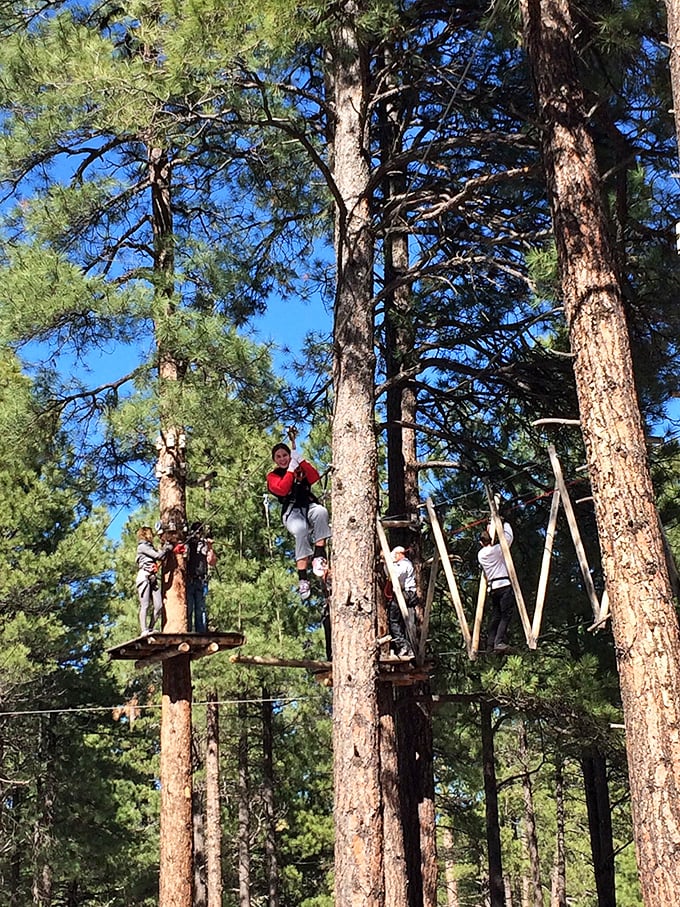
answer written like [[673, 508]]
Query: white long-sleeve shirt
[[492, 562]]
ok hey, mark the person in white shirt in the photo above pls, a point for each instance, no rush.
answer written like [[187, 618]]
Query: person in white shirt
[[492, 562], [407, 580]]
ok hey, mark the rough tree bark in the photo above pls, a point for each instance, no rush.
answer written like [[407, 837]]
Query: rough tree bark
[[414, 721], [396, 880], [176, 846], [213, 813], [673, 17], [358, 803], [243, 809], [644, 621]]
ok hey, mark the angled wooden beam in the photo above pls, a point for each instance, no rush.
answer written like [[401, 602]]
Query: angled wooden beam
[[427, 608], [512, 573], [450, 576], [545, 564], [396, 585], [575, 534]]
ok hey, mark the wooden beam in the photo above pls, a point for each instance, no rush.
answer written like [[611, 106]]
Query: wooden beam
[[210, 649], [545, 563], [163, 655], [267, 661], [396, 585], [427, 608], [575, 534], [450, 576]]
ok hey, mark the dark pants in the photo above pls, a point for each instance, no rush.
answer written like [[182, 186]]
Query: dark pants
[[500, 615], [396, 624]]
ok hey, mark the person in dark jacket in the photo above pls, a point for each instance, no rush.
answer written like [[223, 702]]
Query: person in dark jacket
[[200, 557], [303, 516]]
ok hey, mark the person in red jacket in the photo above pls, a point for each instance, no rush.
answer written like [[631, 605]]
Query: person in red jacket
[[303, 516]]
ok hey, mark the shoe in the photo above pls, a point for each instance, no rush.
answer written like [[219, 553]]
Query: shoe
[[404, 651], [501, 647], [304, 589], [146, 632], [319, 566]]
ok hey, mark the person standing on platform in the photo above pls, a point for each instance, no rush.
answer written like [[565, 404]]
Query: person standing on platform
[[395, 619], [147, 582], [492, 562], [303, 516], [200, 557]]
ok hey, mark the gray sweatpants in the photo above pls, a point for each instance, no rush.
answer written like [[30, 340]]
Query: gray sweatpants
[[307, 526]]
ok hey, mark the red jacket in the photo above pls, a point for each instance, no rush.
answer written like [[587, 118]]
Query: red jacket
[[293, 487]]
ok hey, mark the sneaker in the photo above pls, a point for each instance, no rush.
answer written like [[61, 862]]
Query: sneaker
[[319, 566], [304, 589], [404, 651], [501, 647]]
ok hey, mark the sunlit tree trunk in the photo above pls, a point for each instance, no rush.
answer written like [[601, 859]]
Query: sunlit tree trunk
[[243, 809], [644, 621], [268, 787], [213, 812], [358, 803]]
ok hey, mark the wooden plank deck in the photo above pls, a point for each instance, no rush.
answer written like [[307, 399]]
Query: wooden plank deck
[[161, 646]]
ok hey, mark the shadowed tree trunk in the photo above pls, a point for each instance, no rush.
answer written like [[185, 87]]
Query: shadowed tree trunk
[[644, 621], [600, 827], [357, 801], [414, 721], [396, 880], [493, 831]]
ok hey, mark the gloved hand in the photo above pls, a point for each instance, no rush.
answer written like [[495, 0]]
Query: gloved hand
[[294, 461], [180, 548]]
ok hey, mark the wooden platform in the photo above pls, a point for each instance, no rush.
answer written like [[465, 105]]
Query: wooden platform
[[155, 647], [401, 672]]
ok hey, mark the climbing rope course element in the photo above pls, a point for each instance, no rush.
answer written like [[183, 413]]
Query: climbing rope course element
[[531, 627]]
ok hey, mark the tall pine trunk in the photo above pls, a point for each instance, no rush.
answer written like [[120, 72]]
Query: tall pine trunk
[[357, 800], [558, 889], [213, 812], [535, 894], [644, 621], [414, 721], [268, 787], [396, 880], [176, 850], [243, 808], [600, 826], [493, 831]]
